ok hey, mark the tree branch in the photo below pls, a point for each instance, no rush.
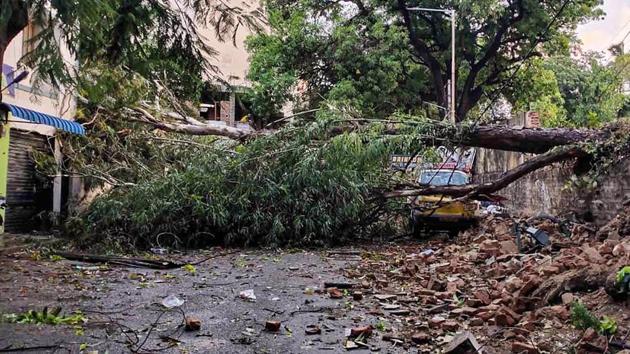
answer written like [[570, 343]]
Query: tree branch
[[471, 190], [196, 129]]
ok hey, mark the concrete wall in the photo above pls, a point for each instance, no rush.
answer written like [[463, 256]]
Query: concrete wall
[[231, 59], [546, 190]]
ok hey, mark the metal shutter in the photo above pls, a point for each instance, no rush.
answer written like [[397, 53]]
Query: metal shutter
[[27, 195]]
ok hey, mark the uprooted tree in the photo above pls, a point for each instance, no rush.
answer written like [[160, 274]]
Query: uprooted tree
[[320, 182], [320, 178]]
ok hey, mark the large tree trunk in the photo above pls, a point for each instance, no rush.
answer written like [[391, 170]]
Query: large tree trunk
[[527, 140]]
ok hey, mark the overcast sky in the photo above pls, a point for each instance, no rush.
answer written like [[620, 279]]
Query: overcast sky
[[599, 35]]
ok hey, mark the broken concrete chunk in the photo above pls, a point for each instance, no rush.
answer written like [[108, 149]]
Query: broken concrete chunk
[[508, 247], [389, 307], [338, 285], [313, 329], [247, 295], [592, 254], [436, 321], [420, 338], [400, 312], [567, 298], [462, 343], [272, 326], [523, 348], [450, 325], [384, 297], [366, 331]]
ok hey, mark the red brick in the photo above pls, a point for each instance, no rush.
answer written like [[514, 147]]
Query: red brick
[[450, 325]]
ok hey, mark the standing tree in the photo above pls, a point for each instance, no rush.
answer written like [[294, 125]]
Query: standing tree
[[392, 49]]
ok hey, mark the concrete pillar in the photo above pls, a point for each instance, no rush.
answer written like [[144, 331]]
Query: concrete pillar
[[4, 167], [232, 109], [57, 180], [4, 159]]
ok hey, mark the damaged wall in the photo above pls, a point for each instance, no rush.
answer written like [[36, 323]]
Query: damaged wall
[[545, 190]]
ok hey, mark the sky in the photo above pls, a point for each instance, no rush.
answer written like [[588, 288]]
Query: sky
[[599, 35]]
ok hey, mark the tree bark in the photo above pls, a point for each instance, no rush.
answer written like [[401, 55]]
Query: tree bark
[[534, 141], [527, 140], [471, 190]]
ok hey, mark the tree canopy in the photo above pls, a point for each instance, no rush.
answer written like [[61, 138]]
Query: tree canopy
[[160, 40], [378, 52], [571, 92]]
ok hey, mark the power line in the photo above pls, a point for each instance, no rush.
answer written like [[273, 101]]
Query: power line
[[621, 29]]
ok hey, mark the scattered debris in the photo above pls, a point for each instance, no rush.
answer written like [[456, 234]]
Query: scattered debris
[[272, 326], [463, 342], [313, 329], [338, 285], [364, 331], [122, 261], [192, 323], [248, 295], [159, 251], [420, 338], [357, 296], [190, 269], [335, 293], [172, 301], [484, 283], [46, 316]]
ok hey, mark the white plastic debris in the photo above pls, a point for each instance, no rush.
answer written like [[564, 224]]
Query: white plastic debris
[[248, 295], [172, 301], [427, 252]]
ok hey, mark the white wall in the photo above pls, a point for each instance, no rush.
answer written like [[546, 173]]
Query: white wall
[[47, 101], [232, 61]]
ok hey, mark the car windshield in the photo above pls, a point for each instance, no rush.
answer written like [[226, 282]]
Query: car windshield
[[441, 178]]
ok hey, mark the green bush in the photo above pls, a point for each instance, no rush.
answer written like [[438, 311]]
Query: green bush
[[298, 186]]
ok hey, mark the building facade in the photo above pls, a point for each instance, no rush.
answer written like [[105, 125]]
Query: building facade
[[30, 116]]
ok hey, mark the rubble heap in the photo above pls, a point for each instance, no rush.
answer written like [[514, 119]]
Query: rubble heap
[[481, 288]]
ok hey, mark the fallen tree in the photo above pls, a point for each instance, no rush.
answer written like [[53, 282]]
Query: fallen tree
[[486, 136], [320, 181], [557, 155], [554, 144]]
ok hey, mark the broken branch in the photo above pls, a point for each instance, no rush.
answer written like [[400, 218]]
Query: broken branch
[[471, 190]]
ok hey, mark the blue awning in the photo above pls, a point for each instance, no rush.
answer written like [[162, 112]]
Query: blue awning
[[41, 118]]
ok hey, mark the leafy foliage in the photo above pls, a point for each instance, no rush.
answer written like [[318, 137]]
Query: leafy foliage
[[52, 317], [300, 51], [382, 57], [160, 40], [622, 274], [298, 186], [582, 318], [569, 92]]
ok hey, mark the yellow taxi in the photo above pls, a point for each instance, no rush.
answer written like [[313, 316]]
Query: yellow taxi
[[439, 212]]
